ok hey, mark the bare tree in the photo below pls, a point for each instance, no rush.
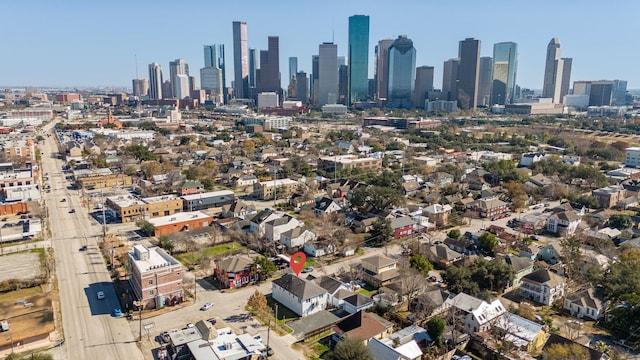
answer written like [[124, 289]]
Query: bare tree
[[413, 283]]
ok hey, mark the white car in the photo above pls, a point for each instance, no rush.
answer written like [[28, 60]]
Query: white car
[[100, 295], [206, 306]]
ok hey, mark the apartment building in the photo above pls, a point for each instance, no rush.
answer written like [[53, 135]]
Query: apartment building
[[129, 208], [155, 277], [349, 162], [266, 190]]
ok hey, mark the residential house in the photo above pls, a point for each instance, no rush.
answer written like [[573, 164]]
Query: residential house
[[462, 204], [438, 214], [542, 286], [297, 237], [333, 287], [243, 181], [268, 190], [524, 334], [319, 247], [363, 223], [346, 146], [461, 245], [550, 253], [238, 209], [528, 159], [357, 302], [300, 296], [302, 201], [593, 354], [326, 206], [235, 271], [362, 325], [404, 344], [610, 195], [379, 270], [476, 314], [402, 226], [586, 303], [273, 229], [266, 153], [190, 187], [541, 180], [432, 301], [440, 179], [564, 223], [442, 256], [410, 187], [257, 221], [521, 266], [488, 207]]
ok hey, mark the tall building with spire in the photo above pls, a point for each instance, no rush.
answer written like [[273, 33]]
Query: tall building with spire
[[505, 65], [557, 73], [468, 73], [402, 73], [240, 60], [358, 57], [155, 81]]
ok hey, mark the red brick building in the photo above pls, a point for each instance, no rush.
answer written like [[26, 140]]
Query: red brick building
[[235, 271], [155, 277], [180, 222], [67, 98]]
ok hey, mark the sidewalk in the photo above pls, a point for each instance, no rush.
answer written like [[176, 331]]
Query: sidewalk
[[40, 345]]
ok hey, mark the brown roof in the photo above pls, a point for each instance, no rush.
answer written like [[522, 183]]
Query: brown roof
[[379, 261], [544, 276], [235, 263], [361, 325]]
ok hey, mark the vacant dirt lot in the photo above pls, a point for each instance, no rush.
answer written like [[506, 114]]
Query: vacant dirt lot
[[26, 321], [21, 266]]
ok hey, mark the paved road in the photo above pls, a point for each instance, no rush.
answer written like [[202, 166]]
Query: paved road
[[89, 330]]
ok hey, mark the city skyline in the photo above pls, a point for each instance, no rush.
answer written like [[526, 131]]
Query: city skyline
[[114, 52]]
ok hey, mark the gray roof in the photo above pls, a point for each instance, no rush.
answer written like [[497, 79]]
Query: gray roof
[[518, 263], [235, 263], [401, 222], [358, 300], [587, 298], [299, 288], [328, 283], [544, 276], [379, 261]]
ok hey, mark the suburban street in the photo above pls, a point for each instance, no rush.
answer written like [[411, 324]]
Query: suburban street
[[89, 330]]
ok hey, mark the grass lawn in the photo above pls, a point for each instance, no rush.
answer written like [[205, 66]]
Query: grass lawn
[[191, 258], [367, 291], [310, 262]]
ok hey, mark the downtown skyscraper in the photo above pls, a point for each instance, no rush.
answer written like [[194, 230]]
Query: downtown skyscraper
[[557, 73], [382, 75], [179, 76], [401, 73], [485, 80], [505, 65], [358, 57], [327, 74], [268, 76], [240, 60], [468, 73], [423, 85], [450, 79], [155, 81], [212, 76]]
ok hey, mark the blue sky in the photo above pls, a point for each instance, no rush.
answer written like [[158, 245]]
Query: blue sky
[[94, 43]]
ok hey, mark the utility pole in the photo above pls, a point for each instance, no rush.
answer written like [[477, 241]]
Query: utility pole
[[275, 184]]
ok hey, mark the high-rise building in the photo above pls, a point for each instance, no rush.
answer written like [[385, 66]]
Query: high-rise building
[[358, 56], [181, 86], [178, 67], [141, 87], [240, 60], [485, 80], [505, 65], [581, 87], [423, 86], [155, 81], [402, 73], [167, 89], [211, 81], [382, 75], [557, 73], [293, 67], [315, 72], [601, 93], [268, 76], [214, 57], [327, 74], [450, 79], [468, 73], [619, 93], [343, 84], [254, 64], [302, 87]]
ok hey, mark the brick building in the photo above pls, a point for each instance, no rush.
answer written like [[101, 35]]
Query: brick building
[[129, 208], [331, 163], [185, 221], [155, 277]]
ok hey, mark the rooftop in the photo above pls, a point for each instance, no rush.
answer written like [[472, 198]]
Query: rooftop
[[208, 195], [179, 218], [157, 258]]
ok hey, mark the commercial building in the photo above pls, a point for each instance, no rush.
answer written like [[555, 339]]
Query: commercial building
[[505, 65], [442, 105], [619, 97], [327, 74], [358, 55], [401, 73], [267, 190], [268, 122], [179, 76], [632, 157], [601, 93], [19, 148], [610, 195], [450, 79], [140, 87], [293, 67], [382, 64], [349, 162], [184, 221], [212, 81], [208, 200], [129, 208], [557, 73], [214, 58], [155, 277], [423, 85], [268, 100], [103, 181], [268, 76], [485, 80], [240, 60], [468, 73], [534, 109]]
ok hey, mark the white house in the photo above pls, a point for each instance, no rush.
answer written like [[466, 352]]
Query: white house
[[477, 314], [300, 296], [357, 302], [326, 206], [586, 303], [542, 286], [297, 237], [564, 223], [257, 223], [335, 288], [401, 345], [528, 159], [273, 229]]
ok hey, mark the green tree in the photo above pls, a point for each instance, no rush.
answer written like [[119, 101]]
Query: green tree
[[488, 242], [565, 352], [420, 263], [207, 183], [435, 328], [350, 348], [266, 268], [381, 232], [458, 280], [454, 234], [165, 243], [571, 256], [140, 152], [620, 221], [378, 197], [257, 301], [146, 227], [130, 170], [622, 277]]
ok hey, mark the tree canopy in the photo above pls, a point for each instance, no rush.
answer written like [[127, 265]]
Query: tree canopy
[[350, 348]]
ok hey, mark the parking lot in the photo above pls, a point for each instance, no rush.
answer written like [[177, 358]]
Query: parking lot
[[22, 266]]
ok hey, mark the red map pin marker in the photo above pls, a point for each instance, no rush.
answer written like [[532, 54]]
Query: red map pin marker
[[297, 262]]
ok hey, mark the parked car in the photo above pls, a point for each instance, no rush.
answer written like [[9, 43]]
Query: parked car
[[72, 211], [83, 248], [308, 269], [165, 336], [212, 321], [268, 352], [206, 306], [63, 200]]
